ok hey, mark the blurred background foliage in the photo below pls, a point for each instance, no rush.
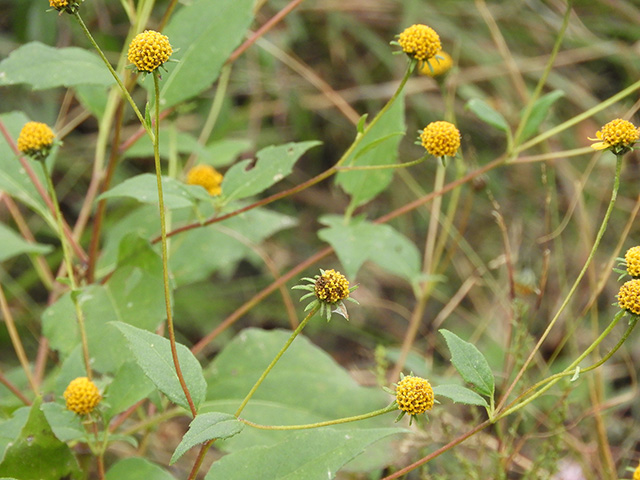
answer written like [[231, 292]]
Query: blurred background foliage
[[311, 78]]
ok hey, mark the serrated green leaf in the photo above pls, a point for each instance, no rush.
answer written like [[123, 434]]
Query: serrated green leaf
[[203, 34], [362, 240], [487, 114], [539, 112], [460, 394], [144, 188], [36, 454], [207, 426], [272, 165], [319, 453], [13, 244], [42, 67], [135, 468], [153, 354], [378, 147], [470, 363]]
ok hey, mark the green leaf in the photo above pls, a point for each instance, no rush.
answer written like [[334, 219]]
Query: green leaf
[[42, 67], [8, 428], [460, 394], [487, 114], [153, 354], [36, 454], [93, 97], [203, 35], [207, 426], [144, 188], [66, 425], [135, 468], [470, 363], [362, 240], [13, 244], [134, 294], [272, 165], [310, 454], [378, 147], [225, 151], [129, 386], [539, 112]]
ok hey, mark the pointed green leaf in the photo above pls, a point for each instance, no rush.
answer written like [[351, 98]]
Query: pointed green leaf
[[153, 354], [539, 112], [205, 427], [487, 114], [308, 454], [136, 468], [42, 67], [36, 453], [459, 394], [272, 165], [470, 363], [13, 244]]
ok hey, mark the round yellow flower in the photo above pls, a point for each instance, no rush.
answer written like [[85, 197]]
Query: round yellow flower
[[632, 259], [69, 6], [35, 139], [82, 396], [59, 4], [420, 42], [148, 50], [636, 474], [414, 395], [437, 66], [441, 139], [331, 287], [629, 296], [618, 135], [207, 177]]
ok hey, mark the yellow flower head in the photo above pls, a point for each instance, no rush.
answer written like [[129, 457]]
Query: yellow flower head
[[82, 396], [148, 50], [35, 139], [636, 474], [331, 287], [69, 6], [618, 135], [629, 296], [414, 395], [420, 42], [207, 177], [632, 259], [441, 139], [438, 65]]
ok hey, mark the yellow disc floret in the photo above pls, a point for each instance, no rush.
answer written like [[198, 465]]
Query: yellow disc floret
[[82, 396], [148, 50], [632, 259], [441, 139], [636, 474], [35, 139], [629, 296], [420, 42], [207, 177], [414, 395], [618, 135], [331, 287], [438, 65], [59, 4]]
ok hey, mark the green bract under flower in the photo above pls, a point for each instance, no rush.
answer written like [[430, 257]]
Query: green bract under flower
[[330, 289]]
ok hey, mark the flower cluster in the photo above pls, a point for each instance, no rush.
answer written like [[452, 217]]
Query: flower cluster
[[629, 296], [441, 139], [438, 65], [636, 473], [69, 6], [632, 261], [35, 140], [82, 396], [420, 42], [149, 50], [330, 288], [618, 135], [206, 176], [414, 396]]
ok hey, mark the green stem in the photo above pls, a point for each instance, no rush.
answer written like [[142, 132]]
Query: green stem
[[573, 368], [381, 167], [66, 253], [603, 227], [389, 408], [125, 92], [275, 360], [163, 233]]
